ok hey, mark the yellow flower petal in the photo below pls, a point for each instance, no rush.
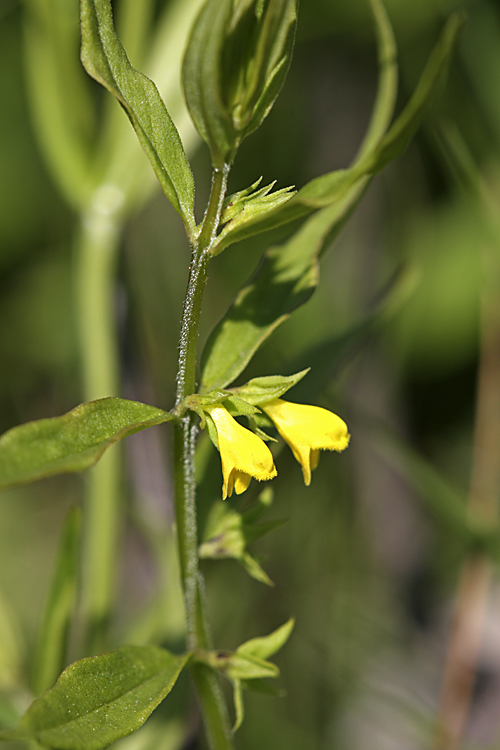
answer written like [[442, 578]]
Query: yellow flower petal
[[307, 430], [243, 454]]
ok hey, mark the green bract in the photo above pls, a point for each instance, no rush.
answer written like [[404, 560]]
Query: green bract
[[236, 62]]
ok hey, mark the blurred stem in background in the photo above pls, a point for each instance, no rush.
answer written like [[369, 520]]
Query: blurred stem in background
[[471, 599], [96, 258], [104, 176]]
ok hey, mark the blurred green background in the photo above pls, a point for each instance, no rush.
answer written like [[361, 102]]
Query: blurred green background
[[367, 571]]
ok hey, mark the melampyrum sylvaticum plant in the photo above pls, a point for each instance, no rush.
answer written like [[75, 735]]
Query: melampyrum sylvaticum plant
[[236, 61]]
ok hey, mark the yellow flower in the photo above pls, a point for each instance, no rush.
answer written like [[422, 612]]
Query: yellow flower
[[243, 455], [307, 430]]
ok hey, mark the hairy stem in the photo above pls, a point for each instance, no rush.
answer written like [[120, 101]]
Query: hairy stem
[[198, 632], [95, 267]]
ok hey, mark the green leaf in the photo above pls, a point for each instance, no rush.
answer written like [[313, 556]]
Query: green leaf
[[59, 96], [266, 646], [239, 708], [287, 279], [379, 147], [72, 442], [290, 272], [247, 210], [326, 358], [11, 653], [52, 635], [227, 536], [254, 569], [387, 89], [100, 699], [248, 667], [105, 60], [236, 62], [431, 82], [262, 390]]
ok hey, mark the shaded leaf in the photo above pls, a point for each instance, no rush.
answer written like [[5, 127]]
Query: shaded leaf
[[431, 81], [51, 642], [328, 357], [239, 709], [236, 62], [387, 88], [11, 653], [287, 278], [105, 60], [378, 148], [72, 442], [60, 99], [228, 536], [289, 273], [100, 699]]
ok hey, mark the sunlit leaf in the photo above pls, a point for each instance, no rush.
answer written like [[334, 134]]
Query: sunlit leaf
[[72, 442], [106, 60], [261, 390], [100, 699]]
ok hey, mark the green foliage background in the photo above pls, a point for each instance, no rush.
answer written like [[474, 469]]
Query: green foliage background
[[366, 570]]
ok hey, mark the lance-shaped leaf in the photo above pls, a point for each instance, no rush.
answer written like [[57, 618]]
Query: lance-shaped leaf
[[228, 534], [380, 146], [287, 279], [261, 390], [289, 273], [106, 60], [100, 699], [72, 442], [60, 100], [248, 666], [51, 642], [236, 62]]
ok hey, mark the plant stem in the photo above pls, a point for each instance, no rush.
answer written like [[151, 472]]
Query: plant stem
[[185, 431], [96, 261], [474, 583]]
